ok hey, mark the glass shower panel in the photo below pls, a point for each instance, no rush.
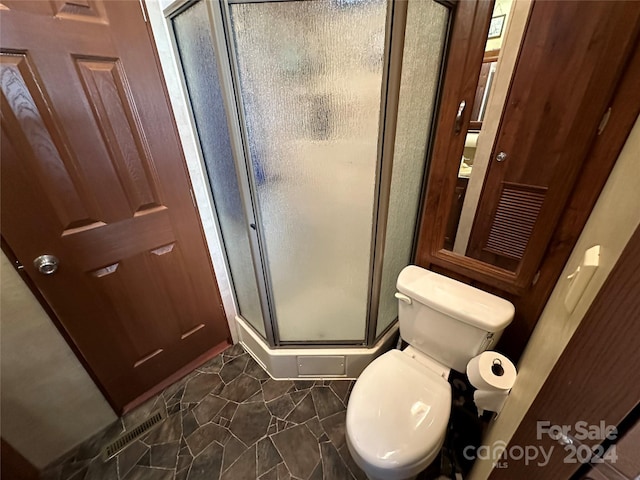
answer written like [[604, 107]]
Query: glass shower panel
[[199, 64], [310, 82], [425, 36]]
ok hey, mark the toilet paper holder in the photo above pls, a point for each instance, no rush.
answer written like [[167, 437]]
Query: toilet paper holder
[[493, 375], [497, 368]]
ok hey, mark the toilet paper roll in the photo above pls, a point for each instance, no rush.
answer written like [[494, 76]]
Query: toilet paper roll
[[489, 400], [491, 371]]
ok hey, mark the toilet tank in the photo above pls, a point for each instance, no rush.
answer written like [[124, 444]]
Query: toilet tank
[[447, 320]]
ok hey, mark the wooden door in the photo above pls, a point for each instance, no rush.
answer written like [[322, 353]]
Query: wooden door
[[571, 60], [93, 173]]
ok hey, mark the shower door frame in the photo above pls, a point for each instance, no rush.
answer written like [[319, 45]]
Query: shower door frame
[[219, 18], [235, 139]]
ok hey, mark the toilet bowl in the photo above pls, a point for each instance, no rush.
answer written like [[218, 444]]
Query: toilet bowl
[[399, 408], [397, 416]]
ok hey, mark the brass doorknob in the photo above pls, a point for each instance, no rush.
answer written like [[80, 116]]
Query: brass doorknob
[[46, 264]]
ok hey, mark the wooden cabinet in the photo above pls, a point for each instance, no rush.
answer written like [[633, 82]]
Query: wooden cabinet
[[534, 204], [559, 94]]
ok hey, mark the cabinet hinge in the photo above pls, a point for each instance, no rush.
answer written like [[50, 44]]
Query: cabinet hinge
[[193, 198], [604, 121]]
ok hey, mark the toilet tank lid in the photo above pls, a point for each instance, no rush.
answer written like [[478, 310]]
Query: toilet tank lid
[[458, 300]]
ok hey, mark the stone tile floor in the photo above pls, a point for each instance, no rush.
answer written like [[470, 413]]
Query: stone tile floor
[[228, 420]]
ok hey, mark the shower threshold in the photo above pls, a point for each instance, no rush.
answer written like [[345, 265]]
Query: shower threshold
[[312, 362]]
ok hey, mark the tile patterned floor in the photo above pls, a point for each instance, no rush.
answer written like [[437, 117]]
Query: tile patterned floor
[[229, 421]]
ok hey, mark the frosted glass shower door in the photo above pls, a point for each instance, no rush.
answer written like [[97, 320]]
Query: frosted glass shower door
[[310, 83], [200, 67]]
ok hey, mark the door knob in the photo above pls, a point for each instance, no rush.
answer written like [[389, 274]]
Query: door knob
[[46, 264], [501, 157]]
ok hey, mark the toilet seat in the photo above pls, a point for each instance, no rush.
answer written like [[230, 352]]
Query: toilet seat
[[397, 416]]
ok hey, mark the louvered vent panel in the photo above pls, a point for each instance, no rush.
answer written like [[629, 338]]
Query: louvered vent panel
[[518, 209], [128, 437]]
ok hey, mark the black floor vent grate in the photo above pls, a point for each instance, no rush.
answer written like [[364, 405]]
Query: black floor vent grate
[[130, 436]]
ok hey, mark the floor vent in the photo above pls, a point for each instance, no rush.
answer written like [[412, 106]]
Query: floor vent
[[131, 435]]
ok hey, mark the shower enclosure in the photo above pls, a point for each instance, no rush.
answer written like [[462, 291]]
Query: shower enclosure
[[313, 118]]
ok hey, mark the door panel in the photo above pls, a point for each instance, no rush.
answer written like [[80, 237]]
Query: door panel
[[29, 117], [105, 86], [93, 173]]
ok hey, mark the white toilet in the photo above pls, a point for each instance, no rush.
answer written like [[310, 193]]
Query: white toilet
[[399, 408]]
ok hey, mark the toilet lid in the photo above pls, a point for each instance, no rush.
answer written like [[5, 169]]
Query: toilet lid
[[398, 411]]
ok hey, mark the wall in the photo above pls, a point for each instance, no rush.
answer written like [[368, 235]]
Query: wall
[[502, 7], [612, 222], [49, 402]]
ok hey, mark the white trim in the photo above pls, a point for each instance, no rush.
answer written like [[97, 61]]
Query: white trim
[[283, 363], [193, 157]]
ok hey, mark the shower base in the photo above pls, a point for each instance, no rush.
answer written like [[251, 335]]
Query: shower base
[[312, 362]]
